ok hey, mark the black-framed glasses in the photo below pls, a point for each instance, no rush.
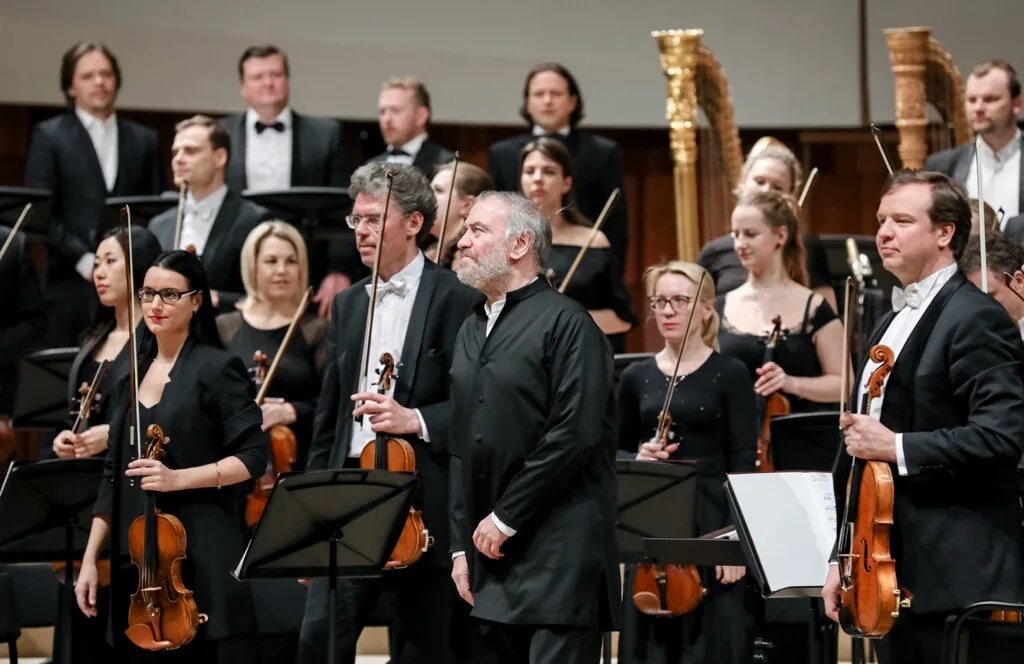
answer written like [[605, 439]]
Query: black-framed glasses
[[676, 302], [168, 295]]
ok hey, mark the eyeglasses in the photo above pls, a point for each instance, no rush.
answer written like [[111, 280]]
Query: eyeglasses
[[168, 295], [675, 303], [373, 221]]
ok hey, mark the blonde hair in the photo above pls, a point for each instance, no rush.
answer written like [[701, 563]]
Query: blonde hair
[[769, 147], [693, 272], [781, 211], [250, 250]]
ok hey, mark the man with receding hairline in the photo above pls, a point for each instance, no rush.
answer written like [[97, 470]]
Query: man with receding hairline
[[403, 111]]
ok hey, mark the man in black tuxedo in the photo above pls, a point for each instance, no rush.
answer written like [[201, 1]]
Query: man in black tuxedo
[[553, 105], [403, 111], [993, 99], [533, 456], [950, 422], [419, 309], [216, 220], [83, 156]]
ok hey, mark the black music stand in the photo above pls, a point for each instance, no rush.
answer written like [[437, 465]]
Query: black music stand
[[329, 523], [41, 401], [143, 208], [47, 508], [647, 492], [14, 199], [805, 441]]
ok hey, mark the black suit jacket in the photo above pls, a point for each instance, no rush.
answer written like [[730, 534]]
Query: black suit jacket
[[597, 171], [956, 163], [22, 316], [427, 160], [441, 304], [62, 159], [316, 152], [222, 255], [956, 393]]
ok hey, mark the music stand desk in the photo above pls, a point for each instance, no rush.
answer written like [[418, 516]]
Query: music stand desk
[[143, 208], [14, 199], [41, 401]]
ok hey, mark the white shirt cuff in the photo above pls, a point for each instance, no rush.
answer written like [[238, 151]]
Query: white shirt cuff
[[508, 532], [84, 265], [424, 434], [901, 461], [456, 554]]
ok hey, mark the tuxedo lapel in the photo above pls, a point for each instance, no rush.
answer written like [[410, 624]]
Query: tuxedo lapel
[[236, 166], [88, 150], [125, 145], [963, 165], [414, 333], [350, 366], [426, 157], [297, 127], [880, 327], [221, 227]]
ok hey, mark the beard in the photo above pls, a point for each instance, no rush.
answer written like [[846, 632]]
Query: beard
[[480, 271]]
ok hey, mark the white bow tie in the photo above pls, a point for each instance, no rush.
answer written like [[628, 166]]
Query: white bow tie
[[200, 212], [909, 297], [394, 285]]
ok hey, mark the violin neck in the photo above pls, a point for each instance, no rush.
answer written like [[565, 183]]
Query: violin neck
[[152, 551], [380, 459]]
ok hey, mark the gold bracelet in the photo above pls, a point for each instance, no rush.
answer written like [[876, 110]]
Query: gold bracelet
[[216, 464]]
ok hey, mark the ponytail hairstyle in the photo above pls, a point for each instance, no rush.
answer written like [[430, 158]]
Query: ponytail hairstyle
[[772, 148], [781, 211], [693, 272]]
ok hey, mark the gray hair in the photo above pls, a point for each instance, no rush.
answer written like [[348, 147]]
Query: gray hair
[[410, 190], [523, 218]]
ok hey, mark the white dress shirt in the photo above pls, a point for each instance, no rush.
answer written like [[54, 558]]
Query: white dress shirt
[[268, 155], [104, 138], [198, 219], [896, 336], [1000, 177], [412, 148], [395, 299]]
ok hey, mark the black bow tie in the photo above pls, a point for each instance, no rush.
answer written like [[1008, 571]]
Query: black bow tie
[[398, 153], [263, 126]]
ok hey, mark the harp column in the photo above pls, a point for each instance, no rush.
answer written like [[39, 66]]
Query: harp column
[[908, 54], [679, 59]]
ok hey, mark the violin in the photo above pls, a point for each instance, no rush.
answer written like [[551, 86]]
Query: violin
[[283, 449], [870, 596], [162, 614], [669, 590], [771, 406], [395, 454]]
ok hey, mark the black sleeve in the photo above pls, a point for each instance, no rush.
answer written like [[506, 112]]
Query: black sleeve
[[581, 374], [621, 303], [739, 406], [230, 394], [456, 504], [327, 405], [42, 172], [628, 411]]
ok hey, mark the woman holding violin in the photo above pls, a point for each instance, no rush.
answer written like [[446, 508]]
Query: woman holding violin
[[545, 177], [712, 422], [104, 341], [275, 271], [202, 398]]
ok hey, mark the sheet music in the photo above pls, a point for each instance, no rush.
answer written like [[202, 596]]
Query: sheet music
[[791, 521]]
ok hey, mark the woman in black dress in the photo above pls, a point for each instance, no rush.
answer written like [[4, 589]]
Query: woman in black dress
[[275, 271], [203, 399], [713, 422], [545, 169], [808, 357], [105, 338]]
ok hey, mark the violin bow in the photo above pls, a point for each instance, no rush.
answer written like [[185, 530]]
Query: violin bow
[[364, 362], [180, 220], [981, 220], [590, 240], [447, 209], [663, 418], [135, 432], [14, 230], [265, 385], [807, 186], [844, 374], [876, 133]]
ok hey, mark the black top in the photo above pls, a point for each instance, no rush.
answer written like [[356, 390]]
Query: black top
[[535, 444], [713, 420], [795, 351], [208, 412], [597, 283], [297, 379]]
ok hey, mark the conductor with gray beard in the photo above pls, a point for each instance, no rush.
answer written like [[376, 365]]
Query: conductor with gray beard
[[532, 469]]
